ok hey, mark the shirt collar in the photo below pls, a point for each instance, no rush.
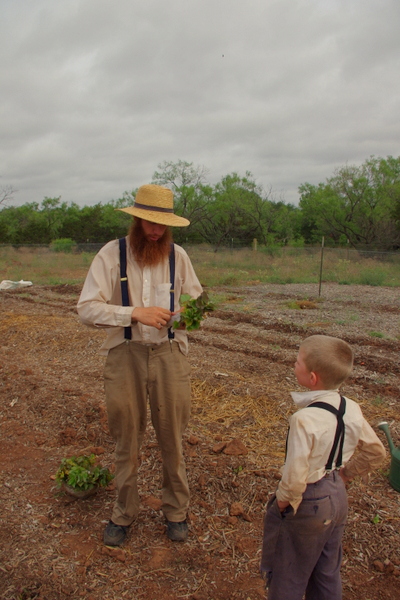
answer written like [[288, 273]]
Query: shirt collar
[[302, 399]]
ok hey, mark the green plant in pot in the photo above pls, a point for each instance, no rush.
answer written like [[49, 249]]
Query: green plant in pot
[[80, 476]]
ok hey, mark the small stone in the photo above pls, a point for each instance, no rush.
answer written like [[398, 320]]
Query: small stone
[[389, 566], [235, 448], [246, 517], [193, 440], [152, 502], [117, 553], [260, 474], [236, 510], [219, 447], [379, 566]]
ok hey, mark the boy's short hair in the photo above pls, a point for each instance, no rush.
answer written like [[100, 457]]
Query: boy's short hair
[[329, 357]]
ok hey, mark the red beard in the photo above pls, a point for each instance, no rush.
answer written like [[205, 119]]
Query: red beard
[[147, 252]]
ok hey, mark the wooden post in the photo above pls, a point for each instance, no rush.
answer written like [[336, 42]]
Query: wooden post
[[255, 245], [320, 268]]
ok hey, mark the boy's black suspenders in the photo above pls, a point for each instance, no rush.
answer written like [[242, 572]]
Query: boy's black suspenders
[[339, 435], [124, 284]]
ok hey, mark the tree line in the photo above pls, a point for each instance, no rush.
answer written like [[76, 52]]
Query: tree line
[[358, 206]]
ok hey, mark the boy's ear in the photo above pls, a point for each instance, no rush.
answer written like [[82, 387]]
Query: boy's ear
[[313, 378]]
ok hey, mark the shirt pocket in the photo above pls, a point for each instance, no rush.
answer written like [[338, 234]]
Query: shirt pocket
[[162, 295]]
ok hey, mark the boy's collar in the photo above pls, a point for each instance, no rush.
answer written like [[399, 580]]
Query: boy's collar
[[302, 399]]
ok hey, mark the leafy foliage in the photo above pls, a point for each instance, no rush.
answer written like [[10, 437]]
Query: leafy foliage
[[63, 245], [358, 206], [194, 311], [81, 473]]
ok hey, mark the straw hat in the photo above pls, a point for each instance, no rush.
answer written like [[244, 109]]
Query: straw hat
[[156, 204]]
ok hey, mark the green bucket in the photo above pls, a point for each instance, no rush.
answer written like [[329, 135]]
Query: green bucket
[[394, 473]]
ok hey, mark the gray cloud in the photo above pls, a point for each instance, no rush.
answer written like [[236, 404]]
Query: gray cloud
[[95, 94]]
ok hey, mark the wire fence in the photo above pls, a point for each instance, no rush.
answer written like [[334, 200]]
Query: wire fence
[[341, 253]]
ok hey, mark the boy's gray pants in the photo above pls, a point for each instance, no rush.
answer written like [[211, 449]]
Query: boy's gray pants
[[302, 552]]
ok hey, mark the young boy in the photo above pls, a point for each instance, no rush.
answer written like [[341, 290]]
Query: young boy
[[305, 520]]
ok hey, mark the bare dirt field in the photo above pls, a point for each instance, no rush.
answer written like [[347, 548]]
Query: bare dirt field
[[51, 406]]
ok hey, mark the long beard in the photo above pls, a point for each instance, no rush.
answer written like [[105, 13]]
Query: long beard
[[147, 252]]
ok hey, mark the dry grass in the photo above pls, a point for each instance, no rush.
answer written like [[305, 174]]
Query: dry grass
[[225, 267]]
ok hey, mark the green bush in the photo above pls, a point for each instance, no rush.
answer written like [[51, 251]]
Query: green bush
[[372, 277], [63, 245], [81, 473]]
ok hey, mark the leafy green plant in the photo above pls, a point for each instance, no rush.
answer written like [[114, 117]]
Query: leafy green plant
[[372, 277], [377, 401], [238, 469], [376, 334], [63, 245], [194, 311], [376, 519], [292, 304], [81, 473]]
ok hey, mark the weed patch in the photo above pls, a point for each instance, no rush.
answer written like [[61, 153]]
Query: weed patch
[[376, 334]]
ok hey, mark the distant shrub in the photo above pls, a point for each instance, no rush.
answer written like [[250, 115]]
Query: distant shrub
[[63, 245], [275, 251], [230, 279], [372, 277]]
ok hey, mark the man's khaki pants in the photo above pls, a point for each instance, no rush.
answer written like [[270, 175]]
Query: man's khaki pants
[[161, 373]]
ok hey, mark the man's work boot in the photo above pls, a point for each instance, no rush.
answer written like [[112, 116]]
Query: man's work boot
[[114, 535], [177, 532]]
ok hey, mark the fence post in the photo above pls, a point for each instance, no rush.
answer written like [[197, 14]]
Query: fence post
[[255, 245], [320, 267]]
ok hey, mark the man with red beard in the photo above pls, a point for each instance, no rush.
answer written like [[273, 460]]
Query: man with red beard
[[145, 361]]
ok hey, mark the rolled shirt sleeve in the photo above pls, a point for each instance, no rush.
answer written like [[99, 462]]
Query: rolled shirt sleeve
[[96, 306], [369, 455]]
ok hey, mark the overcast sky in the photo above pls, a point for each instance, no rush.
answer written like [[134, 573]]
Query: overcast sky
[[94, 94]]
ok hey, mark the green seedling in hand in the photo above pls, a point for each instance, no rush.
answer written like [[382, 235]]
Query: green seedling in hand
[[194, 311]]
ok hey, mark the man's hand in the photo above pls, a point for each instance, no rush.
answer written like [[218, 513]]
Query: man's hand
[[177, 323], [153, 316]]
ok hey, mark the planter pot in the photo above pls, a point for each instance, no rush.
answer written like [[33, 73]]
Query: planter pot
[[78, 493]]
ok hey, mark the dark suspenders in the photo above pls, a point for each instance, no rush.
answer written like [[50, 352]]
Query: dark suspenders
[[124, 283], [171, 334], [339, 435]]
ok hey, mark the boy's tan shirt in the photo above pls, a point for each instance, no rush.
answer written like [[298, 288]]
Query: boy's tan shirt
[[310, 440]]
